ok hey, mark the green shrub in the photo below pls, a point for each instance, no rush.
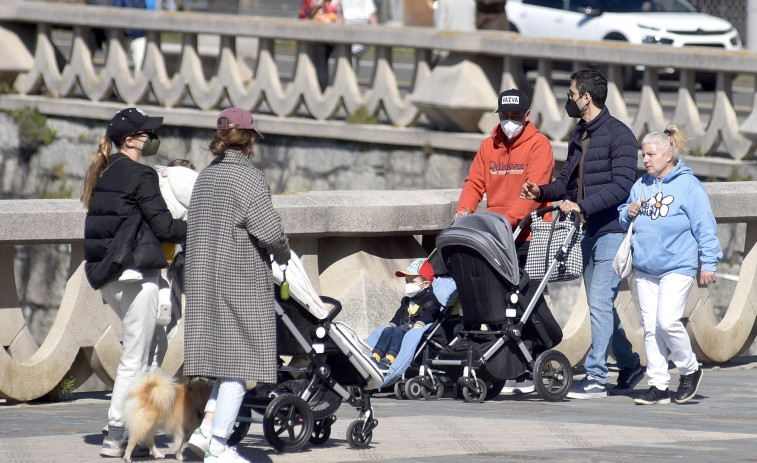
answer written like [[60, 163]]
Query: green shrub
[[33, 131], [362, 116]]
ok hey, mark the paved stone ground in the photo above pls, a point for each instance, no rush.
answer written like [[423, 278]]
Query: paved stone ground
[[719, 424]]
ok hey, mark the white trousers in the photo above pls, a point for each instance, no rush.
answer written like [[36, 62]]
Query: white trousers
[[662, 302], [137, 47], [224, 403], [136, 303]]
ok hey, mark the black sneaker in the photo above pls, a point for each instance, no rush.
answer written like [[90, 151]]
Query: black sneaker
[[688, 387], [654, 396], [628, 378]]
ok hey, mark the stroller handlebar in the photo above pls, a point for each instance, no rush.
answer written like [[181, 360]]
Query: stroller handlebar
[[540, 212], [335, 311]]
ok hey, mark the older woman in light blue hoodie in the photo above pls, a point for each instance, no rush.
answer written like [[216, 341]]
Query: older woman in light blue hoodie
[[674, 233]]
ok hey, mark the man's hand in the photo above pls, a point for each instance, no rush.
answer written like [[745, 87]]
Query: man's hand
[[569, 206], [706, 277], [530, 190], [459, 214]]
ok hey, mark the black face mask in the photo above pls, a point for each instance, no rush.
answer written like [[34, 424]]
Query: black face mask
[[571, 107]]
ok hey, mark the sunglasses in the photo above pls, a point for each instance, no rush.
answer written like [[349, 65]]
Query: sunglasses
[[144, 132]]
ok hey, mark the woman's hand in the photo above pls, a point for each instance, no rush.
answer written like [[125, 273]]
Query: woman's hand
[[634, 208], [706, 277]]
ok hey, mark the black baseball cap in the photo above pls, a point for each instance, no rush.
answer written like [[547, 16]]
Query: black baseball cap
[[513, 100], [130, 121]]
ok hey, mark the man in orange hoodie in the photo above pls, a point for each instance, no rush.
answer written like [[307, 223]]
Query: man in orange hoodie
[[515, 152]]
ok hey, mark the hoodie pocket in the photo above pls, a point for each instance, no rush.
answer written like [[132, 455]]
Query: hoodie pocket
[[649, 253]]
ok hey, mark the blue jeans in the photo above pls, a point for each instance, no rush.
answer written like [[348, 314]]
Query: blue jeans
[[602, 286], [390, 341]]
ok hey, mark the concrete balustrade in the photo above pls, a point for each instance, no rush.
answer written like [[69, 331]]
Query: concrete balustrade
[[75, 85], [351, 243]]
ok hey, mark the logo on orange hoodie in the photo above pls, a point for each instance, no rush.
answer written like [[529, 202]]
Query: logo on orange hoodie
[[500, 168]]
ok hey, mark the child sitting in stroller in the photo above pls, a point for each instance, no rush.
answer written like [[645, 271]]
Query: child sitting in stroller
[[417, 308]]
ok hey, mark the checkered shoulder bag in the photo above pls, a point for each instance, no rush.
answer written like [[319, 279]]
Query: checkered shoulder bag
[[557, 240]]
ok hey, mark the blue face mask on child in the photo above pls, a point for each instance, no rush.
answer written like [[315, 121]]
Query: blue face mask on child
[[412, 289]]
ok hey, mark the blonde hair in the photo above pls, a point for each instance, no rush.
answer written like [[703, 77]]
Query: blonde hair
[[672, 139], [232, 139], [95, 167]]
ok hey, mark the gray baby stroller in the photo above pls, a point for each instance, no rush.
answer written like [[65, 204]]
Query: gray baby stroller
[[332, 366], [503, 335]]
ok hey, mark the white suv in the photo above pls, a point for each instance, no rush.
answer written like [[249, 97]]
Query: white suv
[[662, 22], [667, 22]]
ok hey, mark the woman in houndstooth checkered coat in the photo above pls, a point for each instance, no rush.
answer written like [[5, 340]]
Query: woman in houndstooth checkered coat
[[230, 330]]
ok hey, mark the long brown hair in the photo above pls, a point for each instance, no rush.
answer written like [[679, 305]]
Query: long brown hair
[[232, 139], [95, 167]]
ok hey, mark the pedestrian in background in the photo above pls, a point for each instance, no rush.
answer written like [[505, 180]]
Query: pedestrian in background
[[491, 15], [358, 12], [230, 323], [126, 221], [674, 235], [326, 12], [136, 37]]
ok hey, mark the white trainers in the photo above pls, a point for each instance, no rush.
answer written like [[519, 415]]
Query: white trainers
[[199, 442], [229, 455], [512, 386]]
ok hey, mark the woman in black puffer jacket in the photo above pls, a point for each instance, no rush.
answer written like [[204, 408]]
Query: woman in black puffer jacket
[[127, 219]]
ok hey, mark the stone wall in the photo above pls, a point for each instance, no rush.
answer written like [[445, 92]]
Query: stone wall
[[290, 163]]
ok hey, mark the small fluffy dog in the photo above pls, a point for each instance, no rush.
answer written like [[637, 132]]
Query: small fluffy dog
[[157, 402]]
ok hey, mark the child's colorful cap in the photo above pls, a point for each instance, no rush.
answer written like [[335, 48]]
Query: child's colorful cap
[[418, 267]]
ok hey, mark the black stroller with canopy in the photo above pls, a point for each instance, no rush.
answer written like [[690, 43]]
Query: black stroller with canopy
[[503, 335]]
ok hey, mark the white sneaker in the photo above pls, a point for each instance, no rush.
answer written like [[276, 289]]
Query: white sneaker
[[199, 442], [512, 386], [229, 455]]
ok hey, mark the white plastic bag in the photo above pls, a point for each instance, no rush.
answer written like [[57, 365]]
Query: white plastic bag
[[623, 262]]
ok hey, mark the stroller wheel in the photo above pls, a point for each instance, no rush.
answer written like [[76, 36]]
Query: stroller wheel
[[399, 390], [321, 432], [474, 392], [432, 391], [288, 423], [241, 427], [553, 375], [355, 436], [414, 389]]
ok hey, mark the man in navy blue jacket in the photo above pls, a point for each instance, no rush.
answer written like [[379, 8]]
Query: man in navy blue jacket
[[596, 178]]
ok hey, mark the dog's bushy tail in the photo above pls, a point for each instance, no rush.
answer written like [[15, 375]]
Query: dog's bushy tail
[[151, 395]]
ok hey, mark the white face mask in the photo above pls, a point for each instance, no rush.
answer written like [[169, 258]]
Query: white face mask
[[412, 289], [511, 128]]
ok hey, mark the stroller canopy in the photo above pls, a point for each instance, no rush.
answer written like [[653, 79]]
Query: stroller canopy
[[490, 235]]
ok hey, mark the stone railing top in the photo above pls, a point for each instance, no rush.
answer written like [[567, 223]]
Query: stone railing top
[[328, 213], [487, 42]]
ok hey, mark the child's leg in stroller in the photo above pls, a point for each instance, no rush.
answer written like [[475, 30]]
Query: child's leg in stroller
[[395, 342], [382, 345]]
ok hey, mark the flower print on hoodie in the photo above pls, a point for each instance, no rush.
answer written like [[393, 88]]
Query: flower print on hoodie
[[657, 206]]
